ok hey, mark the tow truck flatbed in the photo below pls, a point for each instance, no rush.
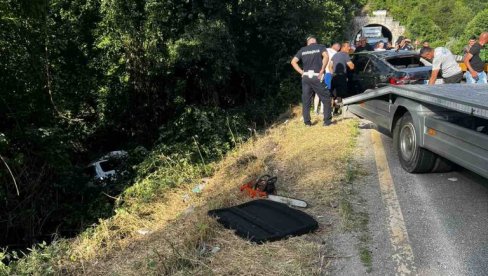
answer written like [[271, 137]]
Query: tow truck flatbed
[[471, 99]]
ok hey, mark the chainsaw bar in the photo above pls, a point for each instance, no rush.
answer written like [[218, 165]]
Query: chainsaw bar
[[288, 201]]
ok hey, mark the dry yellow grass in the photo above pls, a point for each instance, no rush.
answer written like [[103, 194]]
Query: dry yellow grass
[[310, 164]]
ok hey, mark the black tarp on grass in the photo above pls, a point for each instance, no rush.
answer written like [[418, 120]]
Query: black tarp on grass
[[264, 220]]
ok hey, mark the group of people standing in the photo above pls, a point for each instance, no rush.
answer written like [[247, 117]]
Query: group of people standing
[[330, 65], [322, 63], [402, 43]]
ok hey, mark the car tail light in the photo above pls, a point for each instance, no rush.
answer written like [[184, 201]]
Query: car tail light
[[400, 80]]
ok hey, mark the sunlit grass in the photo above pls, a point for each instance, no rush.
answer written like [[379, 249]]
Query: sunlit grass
[[161, 224]]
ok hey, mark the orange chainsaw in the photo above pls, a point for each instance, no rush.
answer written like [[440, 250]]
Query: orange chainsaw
[[264, 186]]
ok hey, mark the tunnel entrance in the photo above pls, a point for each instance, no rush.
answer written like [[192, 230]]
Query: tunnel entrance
[[386, 34], [390, 28]]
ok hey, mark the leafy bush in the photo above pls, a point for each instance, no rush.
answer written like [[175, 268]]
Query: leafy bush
[[474, 28], [207, 133]]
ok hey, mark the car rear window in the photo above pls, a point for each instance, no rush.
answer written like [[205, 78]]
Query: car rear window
[[405, 62], [109, 165]]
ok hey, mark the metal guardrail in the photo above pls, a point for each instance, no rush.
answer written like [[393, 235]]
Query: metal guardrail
[[471, 99]]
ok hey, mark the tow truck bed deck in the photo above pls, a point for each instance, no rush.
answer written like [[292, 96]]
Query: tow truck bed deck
[[471, 99]]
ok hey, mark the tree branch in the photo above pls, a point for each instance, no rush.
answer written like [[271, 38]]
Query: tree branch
[[11, 174]]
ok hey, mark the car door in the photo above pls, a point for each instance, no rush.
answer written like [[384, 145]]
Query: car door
[[371, 77], [355, 80], [368, 77]]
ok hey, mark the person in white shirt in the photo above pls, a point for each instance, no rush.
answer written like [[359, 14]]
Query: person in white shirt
[[442, 60], [318, 107]]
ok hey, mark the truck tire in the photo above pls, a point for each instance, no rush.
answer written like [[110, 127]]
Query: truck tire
[[413, 158], [442, 165]]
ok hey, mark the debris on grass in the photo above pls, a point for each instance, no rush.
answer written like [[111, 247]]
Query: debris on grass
[[144, 231]]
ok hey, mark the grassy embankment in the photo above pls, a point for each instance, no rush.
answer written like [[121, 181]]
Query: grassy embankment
[[163, 229]]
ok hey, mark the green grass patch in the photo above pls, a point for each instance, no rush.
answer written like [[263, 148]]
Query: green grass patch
[[366, 257]]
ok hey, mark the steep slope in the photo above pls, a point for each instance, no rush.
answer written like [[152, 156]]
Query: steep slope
[[173, 234]]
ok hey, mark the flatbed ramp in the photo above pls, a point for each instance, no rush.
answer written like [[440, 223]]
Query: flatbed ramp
[[471, 99]]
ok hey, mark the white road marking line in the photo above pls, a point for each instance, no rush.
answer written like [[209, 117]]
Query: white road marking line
[[402, 251]]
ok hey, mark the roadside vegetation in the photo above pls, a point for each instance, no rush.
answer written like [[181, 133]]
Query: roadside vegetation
[[177, 84], [159, 231], [443, 23]]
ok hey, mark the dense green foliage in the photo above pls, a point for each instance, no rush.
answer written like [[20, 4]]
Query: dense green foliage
[[79, 78], [443, 22]]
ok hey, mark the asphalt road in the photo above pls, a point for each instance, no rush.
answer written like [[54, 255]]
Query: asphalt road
[[445, 216]]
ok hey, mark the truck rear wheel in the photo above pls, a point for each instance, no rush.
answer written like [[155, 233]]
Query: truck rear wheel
[[413, 158]]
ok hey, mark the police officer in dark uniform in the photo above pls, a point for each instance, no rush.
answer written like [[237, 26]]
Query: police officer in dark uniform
[[314, 59]]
